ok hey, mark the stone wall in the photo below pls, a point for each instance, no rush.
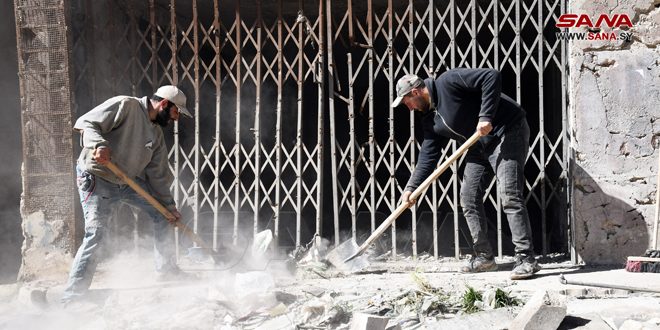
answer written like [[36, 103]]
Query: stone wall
[[615, 121]]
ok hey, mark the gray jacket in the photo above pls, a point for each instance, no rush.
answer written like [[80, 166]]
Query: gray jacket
[[136, 143]]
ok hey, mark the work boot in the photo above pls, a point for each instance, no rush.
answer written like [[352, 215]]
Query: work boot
[[480, 263], [525, 267]]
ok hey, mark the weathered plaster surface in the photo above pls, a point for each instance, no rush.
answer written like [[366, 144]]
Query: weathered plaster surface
[[615, 114]]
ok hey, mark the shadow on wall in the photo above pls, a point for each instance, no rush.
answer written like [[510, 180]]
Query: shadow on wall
[[11, 236], [607, 229]]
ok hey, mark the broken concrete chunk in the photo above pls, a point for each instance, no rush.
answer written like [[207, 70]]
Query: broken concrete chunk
[[391, 325], [32, 296], [261, 243], [362, 321], [542, 311]]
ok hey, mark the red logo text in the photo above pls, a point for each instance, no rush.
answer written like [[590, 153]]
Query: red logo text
[[583, 20]]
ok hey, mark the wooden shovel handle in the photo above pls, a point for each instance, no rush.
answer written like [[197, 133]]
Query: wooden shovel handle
[[155, 203], [417, 193]]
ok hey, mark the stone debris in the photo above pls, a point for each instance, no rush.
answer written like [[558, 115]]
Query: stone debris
[[362, 321], [542, 311]]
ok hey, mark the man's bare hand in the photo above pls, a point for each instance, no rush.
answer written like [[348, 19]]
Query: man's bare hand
[[405, 198], [484, 127], [176, 214], [102, 155]]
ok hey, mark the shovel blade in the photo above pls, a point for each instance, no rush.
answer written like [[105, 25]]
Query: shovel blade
[[338, 256]]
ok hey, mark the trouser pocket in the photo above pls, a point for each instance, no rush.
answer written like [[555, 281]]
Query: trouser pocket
[[86, 181]]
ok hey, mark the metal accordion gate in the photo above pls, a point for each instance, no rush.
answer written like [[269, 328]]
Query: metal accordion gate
[[293, 129]]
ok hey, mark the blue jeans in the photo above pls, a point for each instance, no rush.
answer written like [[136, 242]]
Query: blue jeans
[[99, 198], [505, 156]]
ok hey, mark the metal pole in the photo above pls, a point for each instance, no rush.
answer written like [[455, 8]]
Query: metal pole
[[257, 136], [237, 145], [432, 69], [278, 130], [197, 145], [218, 82], [321, 123], [372, 148], [413, 142], [175, 81], [299, 141], [351, 121], [331, 108], [390, 34], [541, 64]]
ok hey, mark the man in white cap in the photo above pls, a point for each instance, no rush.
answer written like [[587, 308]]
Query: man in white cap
[[458, 103], [126, 130]]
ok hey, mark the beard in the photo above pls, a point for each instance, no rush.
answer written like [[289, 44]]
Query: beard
[[163, 117]]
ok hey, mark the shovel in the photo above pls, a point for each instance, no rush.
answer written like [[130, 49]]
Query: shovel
[[163, 210], [351, 250]]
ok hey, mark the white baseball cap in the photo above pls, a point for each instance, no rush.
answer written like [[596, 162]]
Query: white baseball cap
[[176, 96], [404, 86]]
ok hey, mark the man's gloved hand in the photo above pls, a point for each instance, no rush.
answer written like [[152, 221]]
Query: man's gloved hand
[[405, 198], [101, 155]]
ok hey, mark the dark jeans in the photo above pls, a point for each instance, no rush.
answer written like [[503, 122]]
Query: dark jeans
[[506, 157]]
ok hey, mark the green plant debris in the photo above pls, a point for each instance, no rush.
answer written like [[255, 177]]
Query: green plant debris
[[470, 299], [503, 299]]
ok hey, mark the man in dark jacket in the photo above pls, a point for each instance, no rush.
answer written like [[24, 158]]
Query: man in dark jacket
[[458, 103]]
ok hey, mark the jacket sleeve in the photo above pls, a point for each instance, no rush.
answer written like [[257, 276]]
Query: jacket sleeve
[[158, 175], [486, 81], [429, 155], [99, 121]]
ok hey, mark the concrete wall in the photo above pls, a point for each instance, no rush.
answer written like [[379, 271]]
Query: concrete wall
[[615, 114], [10, 149]]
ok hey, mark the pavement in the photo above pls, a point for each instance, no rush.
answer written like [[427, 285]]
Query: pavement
[[318, 297]]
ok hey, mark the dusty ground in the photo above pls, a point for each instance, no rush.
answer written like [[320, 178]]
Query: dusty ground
[[125, 295]]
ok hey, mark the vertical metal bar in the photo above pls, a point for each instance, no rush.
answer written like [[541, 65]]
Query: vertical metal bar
[[351, 121], [237, 146], [218, 82], [321, 123], [351, 33], [497, 65], [197, 146], [496, 35], [518, 49], [278, 131], [413, 142], [390, 142], [372, 149], [541, 64], [331, 108], [432, 70], [175, 81], [452, 37], [567, 141], [452, 44], [299, 141], [154, 53], [473, 32], [257, 136], [411, 118]]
